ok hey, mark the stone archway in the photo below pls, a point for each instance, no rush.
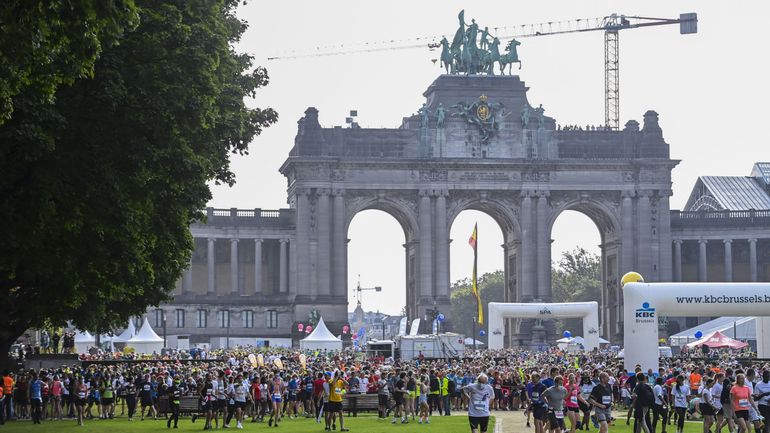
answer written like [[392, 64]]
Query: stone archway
[[522, 171], [402, 208], [602, 209]]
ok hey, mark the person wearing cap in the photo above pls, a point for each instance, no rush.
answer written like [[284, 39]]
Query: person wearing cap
[[479, 395], [241, 395], [174, 394]]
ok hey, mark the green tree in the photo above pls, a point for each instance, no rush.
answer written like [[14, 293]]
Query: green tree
[[47, 43], [99, 189], [576, 277], [464, 310]]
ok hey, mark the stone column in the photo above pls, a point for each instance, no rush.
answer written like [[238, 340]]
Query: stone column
[[187, 279], [543, 248], [528, 264], [283, 277], [303, 244], [212, 270], [702, 264], [234, 265], [339, 246], [753, 259], [627, 232], [324, 229], [678, 260], [644, 234], [257, 265], [442, 247], [664, 235], [426, 247], [728, 260]]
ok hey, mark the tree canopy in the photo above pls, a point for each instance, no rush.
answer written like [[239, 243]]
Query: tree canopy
[[47, 43], [577, 277], [491, 289], [99, 188]]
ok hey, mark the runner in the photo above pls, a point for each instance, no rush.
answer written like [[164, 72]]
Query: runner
[[601, 400], [479, 395], [554, 397]]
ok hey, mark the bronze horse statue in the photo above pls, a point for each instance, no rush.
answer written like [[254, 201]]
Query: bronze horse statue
[[510, 57]]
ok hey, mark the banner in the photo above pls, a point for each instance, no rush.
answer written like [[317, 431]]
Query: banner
[[473, 241], [402, 326], [415, 327]]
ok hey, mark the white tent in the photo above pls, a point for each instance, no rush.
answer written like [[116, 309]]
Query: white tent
[[562, 343], [84, 341], [321, 339], [127, 334], [469, 342], [146, 340]]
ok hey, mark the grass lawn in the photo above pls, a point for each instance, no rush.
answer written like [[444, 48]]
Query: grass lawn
[[361, 424]]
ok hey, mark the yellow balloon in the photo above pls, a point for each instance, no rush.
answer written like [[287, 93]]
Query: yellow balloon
[[631, 277]]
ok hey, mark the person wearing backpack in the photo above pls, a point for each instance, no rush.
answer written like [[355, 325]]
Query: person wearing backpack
[[643, 400], [727, 408]]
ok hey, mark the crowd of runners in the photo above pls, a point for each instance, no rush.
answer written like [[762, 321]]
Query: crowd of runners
[[558, 392]]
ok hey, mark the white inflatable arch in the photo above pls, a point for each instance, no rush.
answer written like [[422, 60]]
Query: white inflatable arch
[[588, 311], [644, 303]]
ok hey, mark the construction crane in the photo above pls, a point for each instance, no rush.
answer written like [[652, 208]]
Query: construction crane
[[611, 26], [360, 289]]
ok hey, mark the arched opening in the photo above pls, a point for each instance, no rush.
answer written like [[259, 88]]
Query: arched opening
[[584, 263], [491, 270], [376, 243]]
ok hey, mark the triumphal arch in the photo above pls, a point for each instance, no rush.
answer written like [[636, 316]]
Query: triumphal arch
[[478, 143]]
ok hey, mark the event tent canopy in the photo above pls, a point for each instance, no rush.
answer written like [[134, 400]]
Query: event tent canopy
[[127, 334], [718, 340], [84, 341], [741, 328], [321, 339], [146, 340]]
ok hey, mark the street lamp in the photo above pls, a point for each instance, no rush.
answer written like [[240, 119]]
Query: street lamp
[[163, 319]]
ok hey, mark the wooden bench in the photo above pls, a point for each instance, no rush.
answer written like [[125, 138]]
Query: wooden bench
[[353, 403]]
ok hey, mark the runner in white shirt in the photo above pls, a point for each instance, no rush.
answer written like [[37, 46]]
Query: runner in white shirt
[[479, 395], [762, 393]]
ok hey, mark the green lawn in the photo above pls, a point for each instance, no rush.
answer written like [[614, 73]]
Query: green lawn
[[361, 424]]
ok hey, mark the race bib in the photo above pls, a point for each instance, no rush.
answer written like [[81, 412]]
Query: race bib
[[81, 395], [535, 395], [606, 399], [743, 402], [337, 390], [558, 414], [573, 399], [480, 405]]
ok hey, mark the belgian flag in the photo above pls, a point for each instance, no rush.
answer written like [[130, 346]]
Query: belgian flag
[[473, 241]]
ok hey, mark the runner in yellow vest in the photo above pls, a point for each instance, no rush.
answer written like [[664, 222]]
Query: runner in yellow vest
[[445, 400]]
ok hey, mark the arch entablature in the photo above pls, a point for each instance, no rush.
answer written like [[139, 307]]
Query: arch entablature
[[400, 205], [502, 208], [602, 208]]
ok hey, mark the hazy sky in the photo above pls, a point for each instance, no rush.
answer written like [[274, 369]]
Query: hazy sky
[[710, 90]]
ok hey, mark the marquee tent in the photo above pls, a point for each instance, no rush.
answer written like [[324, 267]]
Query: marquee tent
[[718, 340], [146, 340], [84, 341], [740, 328], [127, 334], [469, 342], [321, 339]]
